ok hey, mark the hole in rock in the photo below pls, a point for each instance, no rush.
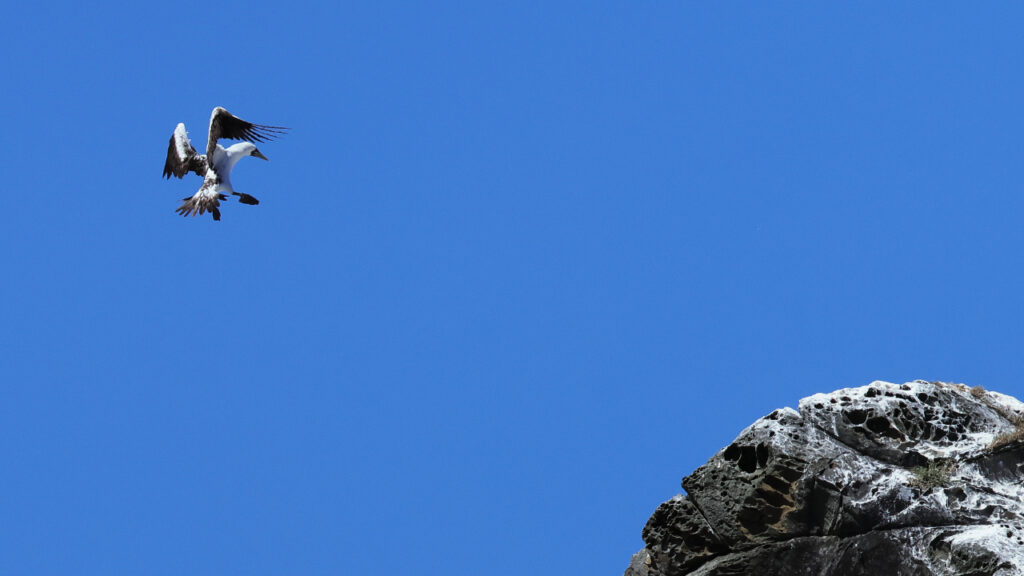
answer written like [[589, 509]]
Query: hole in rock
[[763, 452], [744, 456], [856, 416], [878, 424]]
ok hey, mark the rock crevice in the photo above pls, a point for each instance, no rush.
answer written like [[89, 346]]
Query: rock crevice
[[883, 479]]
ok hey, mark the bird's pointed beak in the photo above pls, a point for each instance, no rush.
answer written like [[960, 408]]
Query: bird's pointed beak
[[259, 154]]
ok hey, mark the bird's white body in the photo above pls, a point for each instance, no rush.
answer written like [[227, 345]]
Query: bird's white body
[[224, 160]]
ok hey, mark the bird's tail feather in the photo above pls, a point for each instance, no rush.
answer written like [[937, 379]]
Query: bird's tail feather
[[200, 204]]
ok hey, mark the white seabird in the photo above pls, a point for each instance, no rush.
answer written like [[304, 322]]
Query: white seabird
[[182, 158]]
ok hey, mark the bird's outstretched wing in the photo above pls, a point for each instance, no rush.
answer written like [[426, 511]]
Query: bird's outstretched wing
[[225, 125], [182, 158]]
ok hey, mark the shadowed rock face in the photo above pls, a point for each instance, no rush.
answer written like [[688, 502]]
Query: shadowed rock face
[[880, 480]]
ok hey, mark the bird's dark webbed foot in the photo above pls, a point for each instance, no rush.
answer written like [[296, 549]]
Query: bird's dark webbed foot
[[246, 199]]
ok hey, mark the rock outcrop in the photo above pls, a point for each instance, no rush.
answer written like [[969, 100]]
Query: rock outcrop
[[919, 479]]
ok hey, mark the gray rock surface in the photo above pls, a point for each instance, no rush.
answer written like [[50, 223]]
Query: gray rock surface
[[923, 478]]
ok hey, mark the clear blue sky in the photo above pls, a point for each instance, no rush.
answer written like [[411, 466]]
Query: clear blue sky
[[517, 269]]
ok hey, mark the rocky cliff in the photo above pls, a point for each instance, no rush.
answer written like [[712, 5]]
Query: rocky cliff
[[923, 478]]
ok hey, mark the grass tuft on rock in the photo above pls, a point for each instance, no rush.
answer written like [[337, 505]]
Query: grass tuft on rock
[[1015, 435], [936, 474]]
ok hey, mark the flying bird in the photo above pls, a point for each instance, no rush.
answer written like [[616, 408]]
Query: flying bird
[[215, 166]]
